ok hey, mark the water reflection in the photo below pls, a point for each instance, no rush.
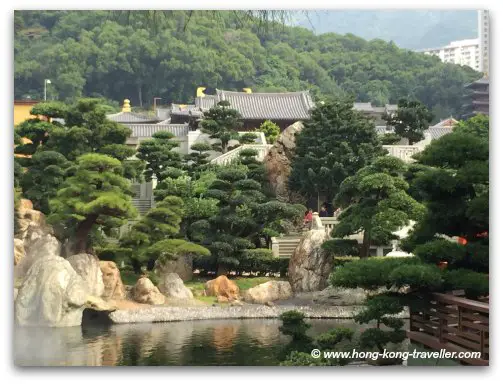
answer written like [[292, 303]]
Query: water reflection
[[210, 342]]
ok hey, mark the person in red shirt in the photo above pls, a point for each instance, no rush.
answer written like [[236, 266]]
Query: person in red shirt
[[308, 217]]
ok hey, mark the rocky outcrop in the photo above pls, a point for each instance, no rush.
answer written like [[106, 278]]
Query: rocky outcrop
[[19, 251], [146, 292], [310, 265], [182, 266], [114, 289], [171, 285], [52, 294], [340, 296], [88, 267], [222, 286], [34, 239], [270, 291], [278, 163]]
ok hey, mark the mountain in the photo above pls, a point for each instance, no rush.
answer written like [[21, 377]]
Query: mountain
[[412, 29]]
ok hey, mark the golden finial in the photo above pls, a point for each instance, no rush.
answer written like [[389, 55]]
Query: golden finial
[[247, 90], [200, 91], [127, 106]]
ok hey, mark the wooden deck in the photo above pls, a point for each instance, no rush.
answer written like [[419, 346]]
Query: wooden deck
[[455, 324]]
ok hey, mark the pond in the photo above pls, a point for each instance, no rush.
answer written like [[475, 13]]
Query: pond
[[194, 343]]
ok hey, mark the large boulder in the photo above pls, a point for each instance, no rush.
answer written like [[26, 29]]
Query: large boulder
[[146, 292], [278, 163], [222, 286], [182, 266], [114, 289], [52, 294], [270, 291], [340, 296], [88, 267], [310, 265], [171, 285]]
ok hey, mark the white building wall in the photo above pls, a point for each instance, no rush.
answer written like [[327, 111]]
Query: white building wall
[[484, 40], [462, 52]]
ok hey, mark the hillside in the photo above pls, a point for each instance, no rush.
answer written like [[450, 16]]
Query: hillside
[[86, 53], [411, 29]]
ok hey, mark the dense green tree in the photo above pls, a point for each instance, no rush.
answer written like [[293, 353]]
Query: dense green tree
[[158, 155], [222, 122], [271, 131], [197, 160], [410, 121], [45, 176], [334, 143], [375, 201], [95, 195]]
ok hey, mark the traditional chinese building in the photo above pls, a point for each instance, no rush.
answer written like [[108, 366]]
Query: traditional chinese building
[[477, 98]]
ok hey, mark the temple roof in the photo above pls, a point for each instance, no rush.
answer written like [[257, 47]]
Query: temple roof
[[126, 116], [435, 132], [206, 102], [273, 106], [450, 122], [147, 130]]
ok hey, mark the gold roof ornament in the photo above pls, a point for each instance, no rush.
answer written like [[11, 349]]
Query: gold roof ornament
[[126, 106], [200, 91], [247, 90]]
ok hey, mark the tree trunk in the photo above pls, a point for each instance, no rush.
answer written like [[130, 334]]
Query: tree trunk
[[222, 270], [364, 252], [411, 142], [82, 233], [140, 98]]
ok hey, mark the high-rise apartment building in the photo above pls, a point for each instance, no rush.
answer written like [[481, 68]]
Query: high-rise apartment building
[[462, 52], [484, 41]]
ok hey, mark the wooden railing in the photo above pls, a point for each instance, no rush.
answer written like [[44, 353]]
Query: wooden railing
[[226, 158], [455, 324]]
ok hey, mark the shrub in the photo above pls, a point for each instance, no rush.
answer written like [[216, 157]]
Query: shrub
[[271, 131], [115, 254], [342, 260], [370, 273], [421, 277], [341, 247], [440, 250], [294, 325], [475, 284]]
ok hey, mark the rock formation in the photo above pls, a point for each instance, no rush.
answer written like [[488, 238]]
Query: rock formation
[[88, 267], [52, 294], [182, 266], [146, 292], [278, 163], [19, 251], [114, 289], [171, 285], [222, 286], [270, 291], [310, 265]]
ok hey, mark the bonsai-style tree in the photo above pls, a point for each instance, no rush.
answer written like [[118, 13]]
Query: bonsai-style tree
[[197, 161], [410, 121], [334, 143], [376, 202], [158, 155], [46, 175], [222, 122], [95, 195], [271, 131]]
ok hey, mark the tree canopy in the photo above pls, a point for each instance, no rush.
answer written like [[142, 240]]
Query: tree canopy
[[89, 53]]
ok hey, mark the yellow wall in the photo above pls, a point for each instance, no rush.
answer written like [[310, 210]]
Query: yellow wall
[[22, 113]]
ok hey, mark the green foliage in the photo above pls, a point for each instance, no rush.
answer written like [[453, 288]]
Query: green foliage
[[107, 59], [341, 260], [303, 359], [411, 120], [271, 131], [474, 284], [96, 194], [172, 249], [417, 277], [115, 254], [334, 143], [341, 247], [294, 325], [389, 139], [381, 309], [158, 155], [43, 179], [369, 273], [476, 126], [376, 202], [440, 250], [222, 123]]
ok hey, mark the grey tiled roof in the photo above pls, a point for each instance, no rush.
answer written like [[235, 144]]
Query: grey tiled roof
[[163, 113], [206, 102], [147, 130], [435, 132], [391, 107], [365, 107], [131, 117], [167, 121], [274, 106]]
